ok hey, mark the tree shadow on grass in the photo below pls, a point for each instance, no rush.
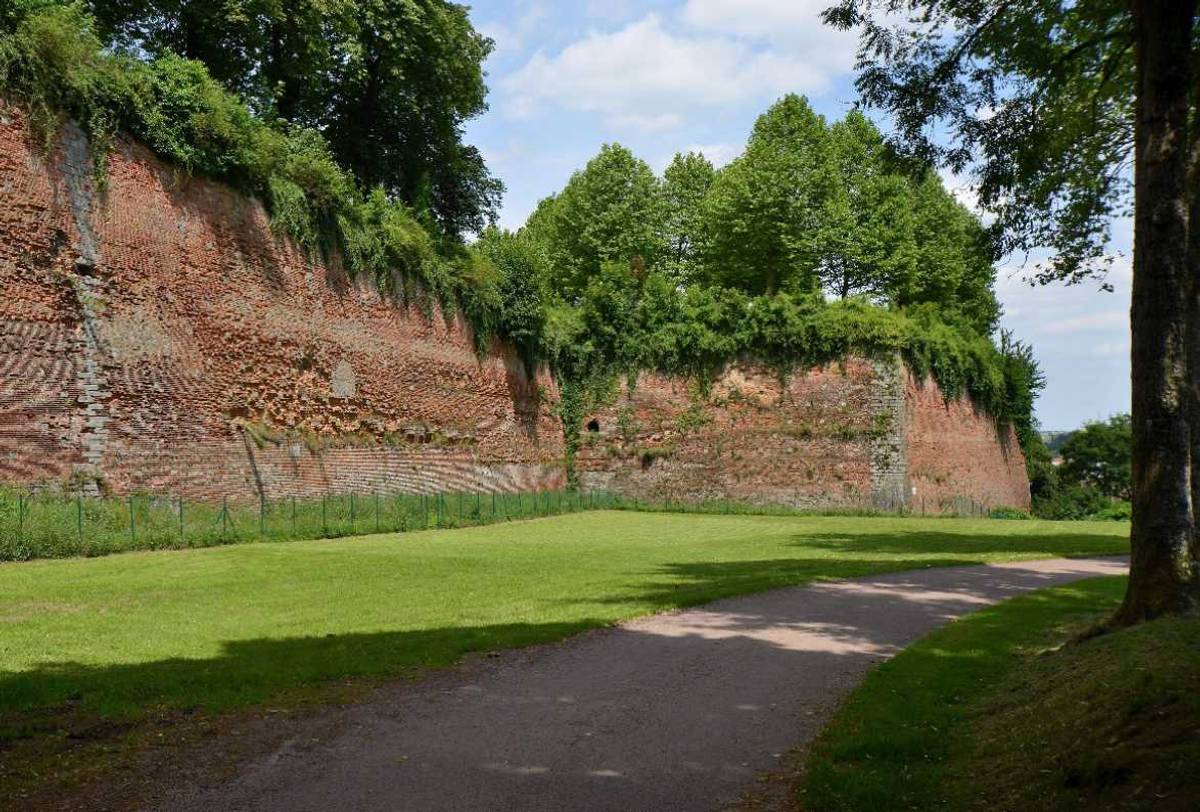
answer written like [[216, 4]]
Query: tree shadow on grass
[[680, 585], [245, 672], [255, 671], [65, 707], [837, 556], [981, 546]]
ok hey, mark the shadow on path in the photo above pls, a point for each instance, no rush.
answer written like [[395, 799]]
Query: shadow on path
[[673, 711]]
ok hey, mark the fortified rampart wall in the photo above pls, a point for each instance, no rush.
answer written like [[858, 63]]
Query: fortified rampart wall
[[156, 335], [859, 434]]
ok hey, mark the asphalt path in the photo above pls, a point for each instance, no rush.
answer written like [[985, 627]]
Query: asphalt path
[[676, 711]]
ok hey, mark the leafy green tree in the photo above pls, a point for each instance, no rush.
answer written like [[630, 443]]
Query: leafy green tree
[[611, 211], [401, 94], [954, 262], [1099, 456], [1024, 381], [524, 268], [1050, 103], [686, 182], [390, 83], [869, 246], [767, 213]]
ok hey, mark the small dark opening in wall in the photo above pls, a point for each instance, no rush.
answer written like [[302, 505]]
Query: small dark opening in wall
[[593, 425]]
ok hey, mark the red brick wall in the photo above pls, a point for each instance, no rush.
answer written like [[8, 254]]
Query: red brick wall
[[159, 336], [750, 441], [955, 450], [187, 319], [854, 435]]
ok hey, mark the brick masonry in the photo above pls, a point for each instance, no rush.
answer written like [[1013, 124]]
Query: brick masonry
[[855, 435], [156, 335]]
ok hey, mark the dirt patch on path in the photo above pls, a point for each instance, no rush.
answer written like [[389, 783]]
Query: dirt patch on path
[[676, 711]]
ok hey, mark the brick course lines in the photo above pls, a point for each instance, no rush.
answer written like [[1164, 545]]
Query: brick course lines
[[158, 336]]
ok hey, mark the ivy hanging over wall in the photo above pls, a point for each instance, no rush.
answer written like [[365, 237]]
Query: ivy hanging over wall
[[815, 245]]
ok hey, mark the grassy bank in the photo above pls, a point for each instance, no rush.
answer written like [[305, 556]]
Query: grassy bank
[[86, 643], [990, 712]]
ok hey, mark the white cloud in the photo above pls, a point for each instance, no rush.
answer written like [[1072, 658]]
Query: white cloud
[[650, 77], [964, 191], [649, 122], [795, 23], [718, 154], [515, 30], [614, 10], [1111, 349], [1080, 336]]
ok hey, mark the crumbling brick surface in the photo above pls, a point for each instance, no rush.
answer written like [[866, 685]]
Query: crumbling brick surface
[[856, 435], [166, 338], [956, 451], [157, 335], [806, 445]]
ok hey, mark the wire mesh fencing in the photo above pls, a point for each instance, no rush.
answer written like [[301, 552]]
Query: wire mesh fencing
[[49, 525], [59, 525]]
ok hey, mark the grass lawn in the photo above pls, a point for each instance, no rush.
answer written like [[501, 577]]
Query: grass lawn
[[132, 636], [994, 712]]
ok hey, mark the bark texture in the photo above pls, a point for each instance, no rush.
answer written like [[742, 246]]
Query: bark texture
[[1162, 574], [1193, 312]]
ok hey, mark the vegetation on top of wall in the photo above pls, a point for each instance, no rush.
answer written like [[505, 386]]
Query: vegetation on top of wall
[[54, 63], [816, 244]]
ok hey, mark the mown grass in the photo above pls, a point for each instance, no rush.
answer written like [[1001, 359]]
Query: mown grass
[[136, 636], [995, 712], [63, 525]]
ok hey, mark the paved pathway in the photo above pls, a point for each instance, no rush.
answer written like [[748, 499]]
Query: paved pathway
[[675, 711]]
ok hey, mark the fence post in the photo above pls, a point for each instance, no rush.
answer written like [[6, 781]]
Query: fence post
[[262, 514], [353, 524], [181, 534], [132, 528], [376, 510], [20, 517], [79, 516], [224, 516], [293, 515], [324, 523]]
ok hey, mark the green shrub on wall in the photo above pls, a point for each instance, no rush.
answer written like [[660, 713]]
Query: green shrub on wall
[[53, 64], [589, 311]]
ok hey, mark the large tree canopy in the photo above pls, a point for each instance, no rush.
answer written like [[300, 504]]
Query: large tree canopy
[[389, 83], [809, 208], [1051, 103], [763, 217], [1036, 97], [685, 186], [609, 211]]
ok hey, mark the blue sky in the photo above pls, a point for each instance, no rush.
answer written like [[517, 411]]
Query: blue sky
[[663, 76]]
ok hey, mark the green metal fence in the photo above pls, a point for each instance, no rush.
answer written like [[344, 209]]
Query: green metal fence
[[47, 525], [58, 525]]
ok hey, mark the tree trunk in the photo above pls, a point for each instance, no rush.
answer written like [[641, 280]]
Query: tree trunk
[[1161, 579], [1193, 313]]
